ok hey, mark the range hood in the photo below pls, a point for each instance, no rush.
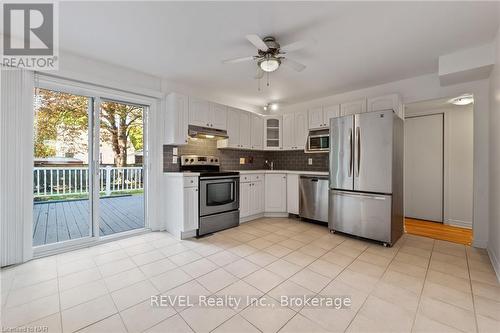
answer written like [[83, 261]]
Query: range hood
[[206, 133]]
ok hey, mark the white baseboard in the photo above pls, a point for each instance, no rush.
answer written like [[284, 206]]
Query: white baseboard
[[275, 214], [480, 243], [459, 223], [495, 262], [188, 234], [251, 217]]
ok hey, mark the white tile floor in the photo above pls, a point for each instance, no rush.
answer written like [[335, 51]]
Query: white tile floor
[[419, 285]]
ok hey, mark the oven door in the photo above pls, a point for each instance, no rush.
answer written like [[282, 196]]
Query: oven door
[[219, 194]]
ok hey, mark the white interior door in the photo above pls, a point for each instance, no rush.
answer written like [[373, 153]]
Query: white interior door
[[424, 167]]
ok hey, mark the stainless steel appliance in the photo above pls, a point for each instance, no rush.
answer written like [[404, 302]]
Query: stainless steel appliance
[[318, 141], [366, 176], [206, 133], [313, 198], [219, 200]]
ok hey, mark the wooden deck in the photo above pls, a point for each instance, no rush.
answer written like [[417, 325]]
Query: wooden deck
[[59, 221]]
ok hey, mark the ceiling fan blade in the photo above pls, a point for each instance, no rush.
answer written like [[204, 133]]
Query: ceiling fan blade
[[294, 46], [257, 42], [293, 64], [259, 74], [236, 60]]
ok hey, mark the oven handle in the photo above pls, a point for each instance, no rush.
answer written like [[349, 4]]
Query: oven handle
[[219, 177]]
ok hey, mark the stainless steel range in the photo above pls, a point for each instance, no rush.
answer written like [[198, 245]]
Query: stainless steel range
[[219, 199]]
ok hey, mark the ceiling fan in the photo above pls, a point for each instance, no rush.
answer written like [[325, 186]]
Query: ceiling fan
[[270, 55]]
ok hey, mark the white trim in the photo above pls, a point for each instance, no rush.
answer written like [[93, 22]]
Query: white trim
[[459, 223], [495, 262], [480, 243]]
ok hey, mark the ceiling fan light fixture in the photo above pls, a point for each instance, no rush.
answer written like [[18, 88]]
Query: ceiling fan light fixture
[[269, 64]]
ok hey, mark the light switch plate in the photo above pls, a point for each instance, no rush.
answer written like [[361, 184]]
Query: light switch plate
[[174, 159], [242, 160], [310, 161], [174, 151]]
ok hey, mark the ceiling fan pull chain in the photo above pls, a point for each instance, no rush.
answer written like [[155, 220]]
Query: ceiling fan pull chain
[[267, 79]]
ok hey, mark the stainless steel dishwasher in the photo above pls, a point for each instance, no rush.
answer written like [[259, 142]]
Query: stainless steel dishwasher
[[313, 197]]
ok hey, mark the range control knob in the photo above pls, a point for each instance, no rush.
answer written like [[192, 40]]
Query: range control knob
[[216, 160], [212, 160], [186, 160], [191, 160]]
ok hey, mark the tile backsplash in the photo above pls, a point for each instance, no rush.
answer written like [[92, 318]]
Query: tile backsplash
[[254, 160]]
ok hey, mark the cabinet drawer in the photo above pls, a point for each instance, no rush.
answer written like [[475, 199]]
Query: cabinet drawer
[[256, 178], [190, 181], [245, 178]]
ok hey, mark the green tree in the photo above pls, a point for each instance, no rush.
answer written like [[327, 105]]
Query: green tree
[[65, 115]]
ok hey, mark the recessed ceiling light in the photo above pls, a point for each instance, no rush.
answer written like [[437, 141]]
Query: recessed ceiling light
[[462, 100], [274, 106]]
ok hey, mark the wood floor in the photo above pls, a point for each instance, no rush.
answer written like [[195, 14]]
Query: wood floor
[[438, 231], [63, 220]]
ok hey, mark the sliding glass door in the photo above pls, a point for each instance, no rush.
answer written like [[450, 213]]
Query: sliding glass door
[[62, 207], [88, 176], [121, 173]]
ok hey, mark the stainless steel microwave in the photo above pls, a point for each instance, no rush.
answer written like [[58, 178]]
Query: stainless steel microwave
[[318, 141]]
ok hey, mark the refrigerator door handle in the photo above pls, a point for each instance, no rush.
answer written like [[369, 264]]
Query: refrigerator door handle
[[350, 154], [358, 140], [350, 194]]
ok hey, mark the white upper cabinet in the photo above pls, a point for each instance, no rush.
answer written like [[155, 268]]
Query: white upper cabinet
[[233, 130], [272, 133], [329, 112], [295, 130], [199, 112], [207, 114], [353, 107], [176, 119], [316, 117], [245, 130], [386, 102], [301, 130], [319, 117], [288, 131], [257, 132], [218, 116]]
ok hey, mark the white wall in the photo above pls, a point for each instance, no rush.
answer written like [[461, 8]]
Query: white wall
[[427, 87], [494, 162], [458, 172]]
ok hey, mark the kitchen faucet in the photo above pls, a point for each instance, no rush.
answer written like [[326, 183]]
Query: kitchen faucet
[[270, 164]]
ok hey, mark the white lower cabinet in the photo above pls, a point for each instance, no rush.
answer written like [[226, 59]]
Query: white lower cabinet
[[292, 194], [245, 199], [190, 208], [275, 193], [251, 195]]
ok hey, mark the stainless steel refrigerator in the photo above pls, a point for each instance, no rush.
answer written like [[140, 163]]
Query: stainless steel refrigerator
[[366, 176]]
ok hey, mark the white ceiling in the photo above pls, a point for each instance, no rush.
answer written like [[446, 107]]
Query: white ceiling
[[357, 44]]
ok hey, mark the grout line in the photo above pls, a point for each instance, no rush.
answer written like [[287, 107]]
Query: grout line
[[370, 293], [423, 286], [471, 291]]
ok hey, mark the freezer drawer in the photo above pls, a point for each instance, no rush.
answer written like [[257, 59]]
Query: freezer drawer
[[361, 214]]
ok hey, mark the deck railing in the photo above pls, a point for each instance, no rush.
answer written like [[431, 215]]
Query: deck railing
[[57, 181]]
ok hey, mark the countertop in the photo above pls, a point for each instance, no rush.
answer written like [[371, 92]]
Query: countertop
[[296, 172]]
